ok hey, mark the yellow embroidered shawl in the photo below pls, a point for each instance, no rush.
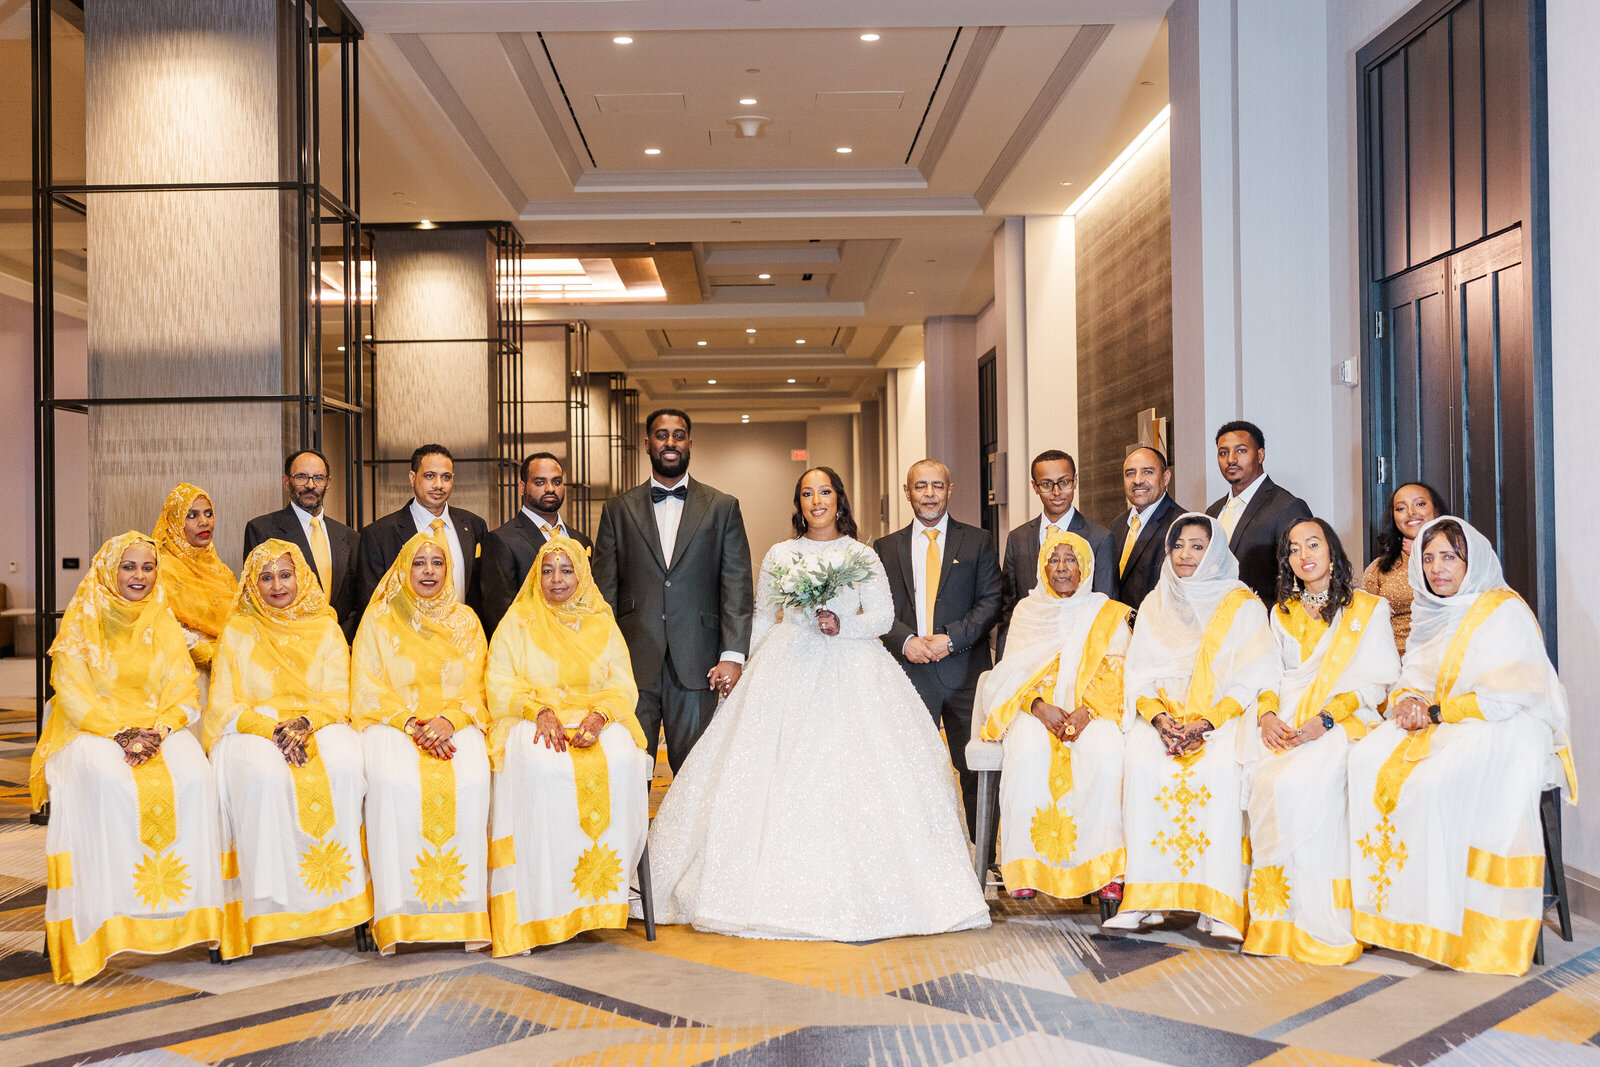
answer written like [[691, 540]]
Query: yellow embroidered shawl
[[569, 657], [273, 663], [115, 663], [200, 587], [414, 656]]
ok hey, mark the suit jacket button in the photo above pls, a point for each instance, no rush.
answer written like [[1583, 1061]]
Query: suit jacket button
[[669, 583], [663, 616]]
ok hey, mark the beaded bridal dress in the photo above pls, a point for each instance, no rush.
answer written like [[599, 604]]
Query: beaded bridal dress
[[820, 803]]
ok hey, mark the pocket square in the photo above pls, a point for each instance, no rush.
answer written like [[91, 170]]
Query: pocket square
[[477, 552]]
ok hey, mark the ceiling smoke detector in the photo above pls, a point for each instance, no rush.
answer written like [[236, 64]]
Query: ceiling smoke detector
[[749, 125]]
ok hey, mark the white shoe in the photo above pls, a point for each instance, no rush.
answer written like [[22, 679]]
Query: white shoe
[[1134, 920]]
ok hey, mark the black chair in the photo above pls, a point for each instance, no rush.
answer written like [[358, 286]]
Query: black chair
[[647, 900], [1555, 872]]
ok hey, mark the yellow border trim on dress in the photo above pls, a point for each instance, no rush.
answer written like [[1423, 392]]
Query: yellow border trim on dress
[[77, 961], [511, 937], [1185, 896], [273, 927], [1485, 945], [1067, 883], [1280, 937], [58, 870], [502, 852], [471, 927], [1513, 872]]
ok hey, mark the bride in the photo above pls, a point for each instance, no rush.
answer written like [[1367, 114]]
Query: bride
[[820, 803]]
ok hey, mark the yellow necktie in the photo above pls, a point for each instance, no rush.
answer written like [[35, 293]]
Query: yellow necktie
[[1127, 546], [930, 591], [1230, 515], [437, 526], [320, 554]]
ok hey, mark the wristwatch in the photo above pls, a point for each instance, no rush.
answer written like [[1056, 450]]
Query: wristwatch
[[1434, 713], [1327, 721]]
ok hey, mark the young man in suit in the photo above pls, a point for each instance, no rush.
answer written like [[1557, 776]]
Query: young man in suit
[[432, 478], [945, 580], [1138, 535], [672, 559], [1256, 510], [509, 551], [328, 545], [1055, 481]]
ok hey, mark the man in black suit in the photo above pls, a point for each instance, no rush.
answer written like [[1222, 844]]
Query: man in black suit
[[1138, 535], [1256, 510], [508, 552], [328, 545], [1055, 480], [432, 478], [945, 579], [672, 559]]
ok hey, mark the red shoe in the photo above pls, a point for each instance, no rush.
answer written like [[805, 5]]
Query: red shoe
[[1024, 894], [1111, 891]]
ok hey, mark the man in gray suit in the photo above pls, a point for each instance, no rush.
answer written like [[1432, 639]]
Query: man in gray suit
[[509, 551], [1256, 510], [328, 545], [672, 559], [1055, 481]]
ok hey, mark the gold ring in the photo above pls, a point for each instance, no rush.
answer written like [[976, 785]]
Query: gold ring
[[1072, 731]]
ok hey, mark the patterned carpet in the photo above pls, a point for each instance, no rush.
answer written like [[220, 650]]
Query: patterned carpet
[[1043, 986]]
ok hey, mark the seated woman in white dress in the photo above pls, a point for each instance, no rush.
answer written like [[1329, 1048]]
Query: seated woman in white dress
[[416, 695], [1447, 857], [132, 846], [288, 765], [571, 783], [820, 803], [1055, 702], [1200, 657], [1338, 656]]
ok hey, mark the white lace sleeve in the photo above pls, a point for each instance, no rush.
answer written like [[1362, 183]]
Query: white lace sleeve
[[875, 603], [766, 613]]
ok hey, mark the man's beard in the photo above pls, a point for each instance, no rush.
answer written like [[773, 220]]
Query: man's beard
[[536, 503], [663, 471]]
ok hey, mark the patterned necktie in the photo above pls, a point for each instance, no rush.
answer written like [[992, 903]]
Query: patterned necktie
[[320, 554], [930, 591], [1127, 546], [1230, 515]]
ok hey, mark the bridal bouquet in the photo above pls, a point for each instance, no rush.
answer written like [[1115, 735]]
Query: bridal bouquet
[[813, 579]]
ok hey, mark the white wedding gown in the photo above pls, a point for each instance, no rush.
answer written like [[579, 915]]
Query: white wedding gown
[[820, 803]]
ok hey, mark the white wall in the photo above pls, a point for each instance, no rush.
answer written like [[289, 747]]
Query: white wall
[[752, 463], [951, 346], [829, 444], [905, 403], [1051, 403]]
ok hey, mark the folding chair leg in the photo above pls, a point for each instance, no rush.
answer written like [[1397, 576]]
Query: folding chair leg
[[987, 825], [647, 899], [1555, 869], [1108, 909], [1538, 948]]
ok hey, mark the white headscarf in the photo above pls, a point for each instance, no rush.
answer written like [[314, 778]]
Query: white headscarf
[[1173, 619], [1506, 660], [1044, 626]]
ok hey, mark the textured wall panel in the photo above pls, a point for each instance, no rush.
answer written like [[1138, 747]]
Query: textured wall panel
[[544, 393], [434, 284], [1124, 294], [190, 293]]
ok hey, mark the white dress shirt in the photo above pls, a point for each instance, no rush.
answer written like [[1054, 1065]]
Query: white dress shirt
[[919, 564], [1144, 515], [544, 527], [1244, 500], [458, 569], [305, 518], [1062, 524], [669, 513]]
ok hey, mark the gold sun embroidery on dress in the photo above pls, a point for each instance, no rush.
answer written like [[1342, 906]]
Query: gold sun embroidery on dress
[[1054, 835], [325, 867], [1269, 891], [1188, 845], [439, 877], [161, 880], [1384, 849], [598, 874]]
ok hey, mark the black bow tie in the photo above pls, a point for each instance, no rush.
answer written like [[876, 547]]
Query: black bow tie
[[658, 494]]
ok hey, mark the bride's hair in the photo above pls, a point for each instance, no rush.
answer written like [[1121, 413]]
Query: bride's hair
[[845, 521]]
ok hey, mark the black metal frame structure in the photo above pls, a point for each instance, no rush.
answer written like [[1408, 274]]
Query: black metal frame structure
[[319, 24], [505, 355]]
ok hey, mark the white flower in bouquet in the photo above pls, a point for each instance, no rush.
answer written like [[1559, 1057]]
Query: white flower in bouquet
[[809, 582]]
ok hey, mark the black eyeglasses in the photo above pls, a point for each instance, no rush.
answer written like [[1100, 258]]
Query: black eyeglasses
[[309, 479], [1059, 483]]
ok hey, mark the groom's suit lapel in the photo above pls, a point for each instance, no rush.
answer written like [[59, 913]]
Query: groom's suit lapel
[[695, 507], [644, 517]]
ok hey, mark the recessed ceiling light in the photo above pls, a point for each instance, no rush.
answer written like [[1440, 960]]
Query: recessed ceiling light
[[763, 277], [869, 37], [425, 224], [711, 381], [1066, 183], [622, 40], [791, 381], [652, 151], [341, 348], [751, 329], [799, 340], [748, 101], [911, 292], [844, 150], [702, 344]]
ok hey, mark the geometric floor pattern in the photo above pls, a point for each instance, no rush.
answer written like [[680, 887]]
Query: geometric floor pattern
[[1042, 986]]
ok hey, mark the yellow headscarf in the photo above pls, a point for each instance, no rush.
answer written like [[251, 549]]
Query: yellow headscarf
[[200, 588], [439, 637], [116, 663], [281, 643], [574, 635], [1080, 548]]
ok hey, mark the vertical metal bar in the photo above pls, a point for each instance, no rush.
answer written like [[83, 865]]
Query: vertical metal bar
[[44, 596]]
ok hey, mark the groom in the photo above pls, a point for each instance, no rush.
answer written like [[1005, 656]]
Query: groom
[[945, 578], [672, 559]]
